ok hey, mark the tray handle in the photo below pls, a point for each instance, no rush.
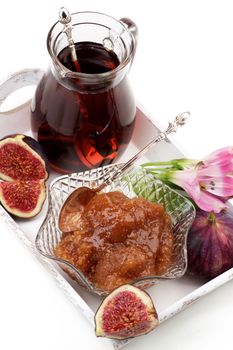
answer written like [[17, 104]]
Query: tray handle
[[18, 80]]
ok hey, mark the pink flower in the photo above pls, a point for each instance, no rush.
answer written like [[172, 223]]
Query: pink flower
[[208, 182], [197, 189]]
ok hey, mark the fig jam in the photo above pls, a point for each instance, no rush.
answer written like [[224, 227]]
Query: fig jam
[[81, 129], [118, 240]]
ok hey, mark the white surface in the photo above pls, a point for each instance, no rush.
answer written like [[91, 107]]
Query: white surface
[[184, 61]]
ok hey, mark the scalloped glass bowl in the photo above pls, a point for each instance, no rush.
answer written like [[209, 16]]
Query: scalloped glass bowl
[[136, 182]]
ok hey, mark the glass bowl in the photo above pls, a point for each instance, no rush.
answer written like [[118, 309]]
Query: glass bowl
[[135, 182]]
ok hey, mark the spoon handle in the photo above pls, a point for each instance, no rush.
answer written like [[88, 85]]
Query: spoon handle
[[65, 19], [180, 120]]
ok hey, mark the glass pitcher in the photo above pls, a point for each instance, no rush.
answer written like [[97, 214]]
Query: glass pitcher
[[85, 119]]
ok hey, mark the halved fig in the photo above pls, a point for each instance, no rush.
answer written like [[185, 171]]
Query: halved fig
[[22, 158], [125, 313], [23, 198]]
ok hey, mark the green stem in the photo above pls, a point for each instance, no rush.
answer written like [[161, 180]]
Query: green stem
[[156, 163], [176, 164], [165, 176], [160, 170]]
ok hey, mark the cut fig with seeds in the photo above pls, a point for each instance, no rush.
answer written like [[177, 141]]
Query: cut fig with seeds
[[22, 158], [125, 313], [23, 198]]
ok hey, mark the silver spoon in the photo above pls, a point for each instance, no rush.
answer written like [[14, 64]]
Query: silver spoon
[[79, 198], [65, 19]]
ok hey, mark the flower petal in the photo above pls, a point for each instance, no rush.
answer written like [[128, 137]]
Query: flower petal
[[219, 186], [188, 180], [216, 170], [208, 202], [219, 156]]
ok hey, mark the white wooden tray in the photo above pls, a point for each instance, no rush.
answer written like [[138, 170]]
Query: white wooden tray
[[184, 291]]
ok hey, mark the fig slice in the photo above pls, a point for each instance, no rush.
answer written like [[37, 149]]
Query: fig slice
[[23, 198], [22, 158], [125, 313]]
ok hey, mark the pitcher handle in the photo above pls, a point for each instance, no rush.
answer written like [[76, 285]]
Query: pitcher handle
[[17, 81], [131, 26]]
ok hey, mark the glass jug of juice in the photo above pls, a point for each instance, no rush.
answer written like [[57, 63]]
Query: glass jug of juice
[[84, 119]]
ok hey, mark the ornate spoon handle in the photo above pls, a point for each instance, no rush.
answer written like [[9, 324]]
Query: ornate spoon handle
[[65, 19], [180, 120]]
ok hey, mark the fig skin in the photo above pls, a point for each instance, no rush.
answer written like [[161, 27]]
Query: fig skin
[[36, 146], [125, 313], [26, 172], [210, 243], [17, 197]]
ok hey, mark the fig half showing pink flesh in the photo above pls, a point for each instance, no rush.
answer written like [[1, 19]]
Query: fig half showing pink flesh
[[22, 158], [23, 198], [125, 313]]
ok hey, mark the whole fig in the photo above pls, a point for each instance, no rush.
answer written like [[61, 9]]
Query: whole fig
[[210, 243]]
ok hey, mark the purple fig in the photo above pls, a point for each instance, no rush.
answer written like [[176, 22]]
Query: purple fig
[[125, 313], [23, 198], [22, 158], [210, 243]]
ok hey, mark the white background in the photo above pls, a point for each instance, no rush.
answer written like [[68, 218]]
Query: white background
[[184, 62]]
